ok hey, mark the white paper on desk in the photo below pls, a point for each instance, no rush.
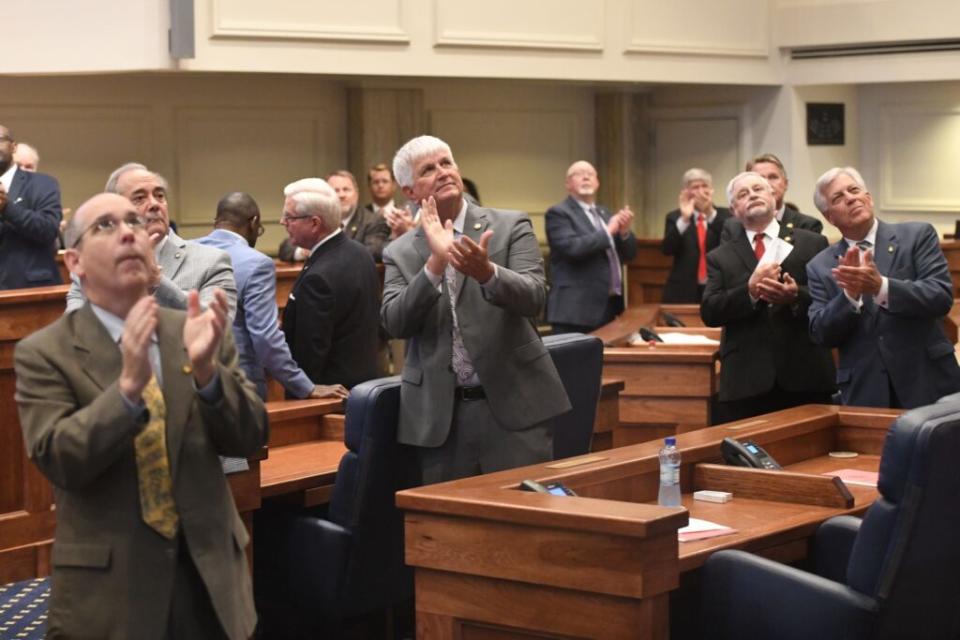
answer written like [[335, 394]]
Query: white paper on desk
[[687, 338], [777, 252], [697, 525], [233, 465]]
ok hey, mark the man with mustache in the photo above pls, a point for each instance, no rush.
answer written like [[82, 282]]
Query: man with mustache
[[757, 291], [479, 387], [182, 265], [125, 406], [879, 297]]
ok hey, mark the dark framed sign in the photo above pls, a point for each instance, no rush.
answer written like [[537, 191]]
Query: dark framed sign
[[825, 123]]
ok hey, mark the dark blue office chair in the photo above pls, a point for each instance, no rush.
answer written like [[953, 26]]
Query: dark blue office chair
[[579, 361], [312, 571], [895, 574]]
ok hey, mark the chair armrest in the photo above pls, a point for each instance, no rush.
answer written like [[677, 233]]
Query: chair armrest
[[746, 596], [316, 560], [832, 545]]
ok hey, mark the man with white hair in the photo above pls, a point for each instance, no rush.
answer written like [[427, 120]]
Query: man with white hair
[[26, 157], [879, 297], [182, 265], [479, 388], [757, 291], [331, 320], [692, 230]]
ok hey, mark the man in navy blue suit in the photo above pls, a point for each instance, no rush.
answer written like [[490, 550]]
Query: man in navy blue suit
[[879, 296], [260, 342], [29, 222], [588, 246]]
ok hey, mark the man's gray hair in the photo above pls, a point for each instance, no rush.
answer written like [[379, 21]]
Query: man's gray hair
[[71, 233], [820, 198], [741, 176], [411, 153], [315, 197], [694, 174], [111, 186]]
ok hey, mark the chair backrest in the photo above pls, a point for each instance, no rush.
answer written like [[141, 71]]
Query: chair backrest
[[906, 553], [579, 361], [373, 469]]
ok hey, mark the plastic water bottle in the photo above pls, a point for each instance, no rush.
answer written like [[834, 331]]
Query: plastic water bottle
[[669, 495]]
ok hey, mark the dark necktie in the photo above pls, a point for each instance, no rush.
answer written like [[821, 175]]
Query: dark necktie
[[613, 262], [758, 248], [864, 245]]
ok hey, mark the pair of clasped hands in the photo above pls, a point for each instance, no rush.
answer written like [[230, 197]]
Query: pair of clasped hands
[[857, 275], [464, 255], [773, 285]]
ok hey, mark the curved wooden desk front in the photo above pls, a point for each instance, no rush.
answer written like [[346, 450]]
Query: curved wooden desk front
[[492, 561]]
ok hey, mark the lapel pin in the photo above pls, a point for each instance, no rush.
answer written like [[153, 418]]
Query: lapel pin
[[177, 255], [789, 225], [187, 369], [477, 225], [788, 238], [353, 229], [890, 249]]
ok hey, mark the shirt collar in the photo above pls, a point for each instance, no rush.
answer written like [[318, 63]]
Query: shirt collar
[[346, 221], [231, 235], [709, 216], [461, 218], [871, 236], [113, 324], [325, 239], [783, 208], [772, 230], [7, 178]]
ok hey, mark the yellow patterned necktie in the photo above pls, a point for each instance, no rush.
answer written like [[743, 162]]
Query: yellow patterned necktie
[[153, 466]]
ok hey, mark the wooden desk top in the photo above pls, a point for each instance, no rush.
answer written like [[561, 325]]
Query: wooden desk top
[[300, 467]]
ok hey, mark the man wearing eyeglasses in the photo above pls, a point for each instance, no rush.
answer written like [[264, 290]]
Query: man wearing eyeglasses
[[125, 406], [332, 316], [182, 265], [29, 222], [259, 340]]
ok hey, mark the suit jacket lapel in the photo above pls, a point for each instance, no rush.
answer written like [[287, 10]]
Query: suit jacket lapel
[[17, 185], [475, 222], [171, 256], [885, 249], [95, 348], [744, 251], [177, 382]]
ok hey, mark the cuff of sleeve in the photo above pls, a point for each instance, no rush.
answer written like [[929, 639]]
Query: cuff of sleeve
[[682, 224], [432, 277], [883, 298], [491, 285], [856, 302], [212, 393]]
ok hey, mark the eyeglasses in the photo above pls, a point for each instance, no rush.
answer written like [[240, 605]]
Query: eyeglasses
[[286, 217], [106, 225], [4, 138]]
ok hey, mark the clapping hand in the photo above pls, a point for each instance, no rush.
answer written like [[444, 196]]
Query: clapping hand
[[202, 333], [439, 235], [138, 329], [472, 259], [857, 276]]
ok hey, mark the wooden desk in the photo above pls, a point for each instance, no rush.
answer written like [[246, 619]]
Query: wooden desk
[[302, 473], [668, 388], [495, 562]]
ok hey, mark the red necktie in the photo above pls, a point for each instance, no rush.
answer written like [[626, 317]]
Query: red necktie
[[702, 244], [758, 248]]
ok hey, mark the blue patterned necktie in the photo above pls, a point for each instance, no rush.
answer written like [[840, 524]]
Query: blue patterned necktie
[[462, 365], [613, 262]]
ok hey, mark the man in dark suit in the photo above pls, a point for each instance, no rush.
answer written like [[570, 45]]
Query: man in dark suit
[[879, 296], [125, 406], [382, 187], [691, 231], [757, 291], [479, 387], [588, 246], [29, 222], [331, 320], [770, 167]]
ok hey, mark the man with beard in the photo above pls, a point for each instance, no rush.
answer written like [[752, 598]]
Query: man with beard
[[757, 291]]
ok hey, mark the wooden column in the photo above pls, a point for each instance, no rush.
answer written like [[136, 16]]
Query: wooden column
[[378, 122]]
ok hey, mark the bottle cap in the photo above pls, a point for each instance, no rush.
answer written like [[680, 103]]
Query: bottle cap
[[670, 441]]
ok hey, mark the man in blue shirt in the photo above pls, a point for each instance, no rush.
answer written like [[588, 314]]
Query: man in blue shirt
[[259, 340]]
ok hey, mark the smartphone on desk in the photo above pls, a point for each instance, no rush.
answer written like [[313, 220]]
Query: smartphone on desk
[[747, 454], [553, 488]]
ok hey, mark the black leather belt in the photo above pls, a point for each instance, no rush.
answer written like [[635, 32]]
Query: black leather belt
[[469, 393]]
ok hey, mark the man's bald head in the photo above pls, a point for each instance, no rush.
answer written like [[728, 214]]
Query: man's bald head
[[238, 212], [26, 157]]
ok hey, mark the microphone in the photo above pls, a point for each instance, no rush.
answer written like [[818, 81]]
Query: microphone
[[649, 335], [671, 320]]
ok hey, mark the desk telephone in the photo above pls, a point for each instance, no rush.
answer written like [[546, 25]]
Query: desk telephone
[[746, 454]]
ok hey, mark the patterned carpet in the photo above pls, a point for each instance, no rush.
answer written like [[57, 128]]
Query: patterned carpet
[[23, 609]]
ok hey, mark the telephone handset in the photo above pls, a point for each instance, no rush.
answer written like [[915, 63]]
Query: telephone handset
[[746, 454]]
